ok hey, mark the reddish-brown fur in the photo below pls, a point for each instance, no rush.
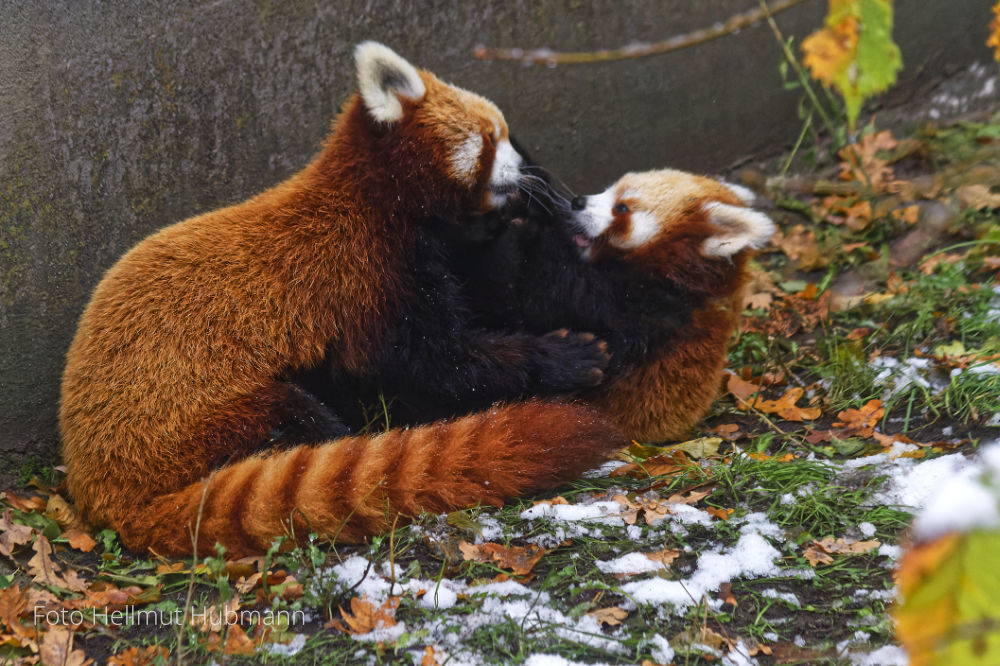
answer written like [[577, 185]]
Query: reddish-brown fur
[[176, 364], [666, 394]]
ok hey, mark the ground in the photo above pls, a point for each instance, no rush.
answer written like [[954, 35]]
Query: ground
[[864, 378]]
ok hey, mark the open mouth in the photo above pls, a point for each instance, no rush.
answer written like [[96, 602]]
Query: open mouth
[[582, 241]]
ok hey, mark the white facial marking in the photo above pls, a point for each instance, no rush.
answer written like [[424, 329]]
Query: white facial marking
[[596, 216], [465, 159], [744, 194], [384, 77], [644, 228], [505, 174], [739, 228]]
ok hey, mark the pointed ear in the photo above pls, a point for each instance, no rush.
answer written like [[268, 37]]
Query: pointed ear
[[383, 78], [738, 229]]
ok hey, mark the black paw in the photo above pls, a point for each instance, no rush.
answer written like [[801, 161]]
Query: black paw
[[570, 361]]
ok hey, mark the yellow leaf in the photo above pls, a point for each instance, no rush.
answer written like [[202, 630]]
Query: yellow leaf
[[697, 449], [950, 609]]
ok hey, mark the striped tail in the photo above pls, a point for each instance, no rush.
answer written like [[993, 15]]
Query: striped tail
[[362, 486]]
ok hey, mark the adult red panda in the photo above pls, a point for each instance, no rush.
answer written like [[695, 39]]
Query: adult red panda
[[655, 265], [179, 370]]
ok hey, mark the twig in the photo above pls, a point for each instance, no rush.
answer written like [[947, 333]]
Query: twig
[[194, 564], [636, 49]]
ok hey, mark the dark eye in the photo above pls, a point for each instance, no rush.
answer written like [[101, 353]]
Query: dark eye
[[620, 208], [491, 139]]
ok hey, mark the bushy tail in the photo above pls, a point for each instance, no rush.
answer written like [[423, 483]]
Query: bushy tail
[[357, 487]]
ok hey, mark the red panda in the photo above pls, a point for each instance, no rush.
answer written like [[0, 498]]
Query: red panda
[[181, 364], [698, 233], [654, 265]]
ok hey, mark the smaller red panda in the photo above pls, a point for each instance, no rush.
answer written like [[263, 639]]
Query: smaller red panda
[[698, 233]]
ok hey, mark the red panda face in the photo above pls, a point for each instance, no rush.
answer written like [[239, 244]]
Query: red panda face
[[462, 135], [657, 216]]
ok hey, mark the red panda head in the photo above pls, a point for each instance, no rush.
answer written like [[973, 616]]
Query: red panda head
[[449, 145], [685, 227]]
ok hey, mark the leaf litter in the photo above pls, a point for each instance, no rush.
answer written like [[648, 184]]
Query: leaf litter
[[861, 386]]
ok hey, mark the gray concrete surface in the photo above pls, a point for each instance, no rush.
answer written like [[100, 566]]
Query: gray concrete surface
[[119, 117]]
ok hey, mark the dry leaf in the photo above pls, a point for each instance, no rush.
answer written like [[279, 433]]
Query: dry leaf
[[25, 504], [237, 641], [429, 657], [859, 422], [786, 409], [519, 559], [135, 656], [700, 448], [57, 649], [559, 499], [721, 514], [800, 246], [978, 197], [726, 593], [729, 432], [692, 497], [45, 570], [364, 617], [79, 540], [612, 616], [665, 557], [740, 388], [815, 556], [668, 463], [12, 534]]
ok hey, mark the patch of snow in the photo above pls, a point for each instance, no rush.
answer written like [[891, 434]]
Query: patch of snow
[[289, 649], [604, 512], [633, 563], [890, 551], [867, 529], [550, 660], [911, 484], [661, 651], [739, 656], [887, 655], [492, 529], [787, 597], [964, 501], [751, 557]]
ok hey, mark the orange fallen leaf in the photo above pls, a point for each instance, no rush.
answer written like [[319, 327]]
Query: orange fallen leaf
[[80, 540], [821, 549], [785, 407], [611, 616], [429, 658], [559, 499], [692, 497], [859, 422], [729, 432], [668, 463], [721, 514], [726, 593], [365, 617], [665, 557], [519, 559], [136, 656], [25, 504], [800, 246], [815, 556]]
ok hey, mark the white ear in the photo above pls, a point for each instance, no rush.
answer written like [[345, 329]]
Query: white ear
[[384, 77], [738, 229]]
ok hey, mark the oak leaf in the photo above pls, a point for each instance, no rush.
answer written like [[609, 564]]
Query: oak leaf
[[25, 504], [785, 407], [365, 617], [519, 559], [136, 656], [665, 557], [45, 570], [237, 641], [12, 534], [800, 246], [859, 422], [611, 616], [721, 514], [670, 463], [57, 649]]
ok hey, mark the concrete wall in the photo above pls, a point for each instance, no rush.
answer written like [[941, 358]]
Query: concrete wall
[[119, 117]]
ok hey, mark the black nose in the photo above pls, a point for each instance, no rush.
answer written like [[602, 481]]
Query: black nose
[[579, 203]]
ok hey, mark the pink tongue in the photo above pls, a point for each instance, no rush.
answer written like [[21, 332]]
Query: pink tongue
[[582, 241]]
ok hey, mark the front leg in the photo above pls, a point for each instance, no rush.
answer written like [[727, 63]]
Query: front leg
[[443, 375]]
